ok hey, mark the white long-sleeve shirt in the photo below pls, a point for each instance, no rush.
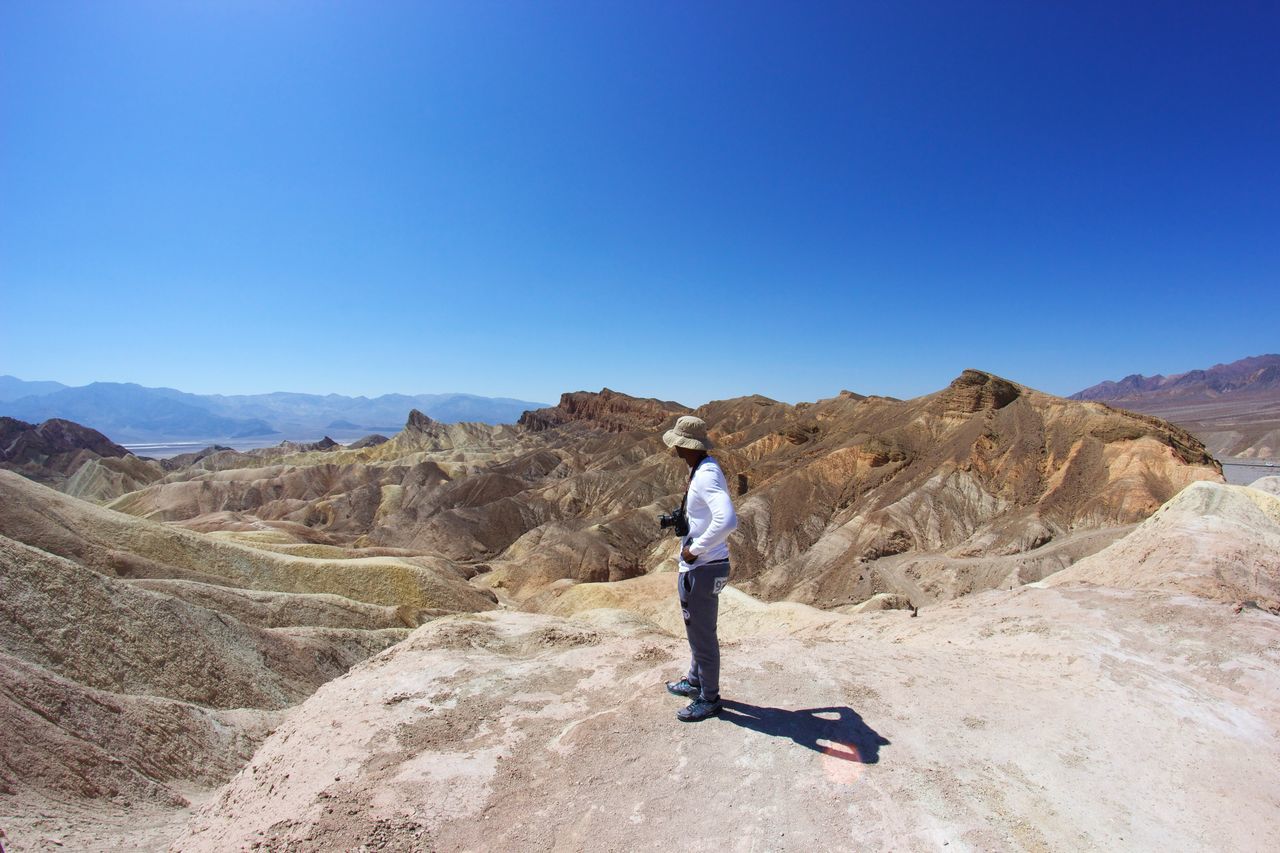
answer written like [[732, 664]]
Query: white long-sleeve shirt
[[711, 516]]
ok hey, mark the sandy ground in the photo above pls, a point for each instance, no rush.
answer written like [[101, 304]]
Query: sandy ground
[[1068, 718], [48, 825]]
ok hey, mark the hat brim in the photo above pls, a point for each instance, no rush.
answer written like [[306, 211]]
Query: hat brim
[[671, 438]]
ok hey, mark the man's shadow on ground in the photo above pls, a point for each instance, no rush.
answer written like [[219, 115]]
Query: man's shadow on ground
[[846, 735]]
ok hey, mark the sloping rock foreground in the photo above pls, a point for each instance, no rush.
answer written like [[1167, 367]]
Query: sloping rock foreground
[[1047, 717], [1065, 716], [1036, 719], [1212, 540], [142, 664], [1057, 716]]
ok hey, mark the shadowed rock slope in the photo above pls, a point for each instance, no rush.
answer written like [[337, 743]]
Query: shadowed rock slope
[[102, 480], [982, 468]]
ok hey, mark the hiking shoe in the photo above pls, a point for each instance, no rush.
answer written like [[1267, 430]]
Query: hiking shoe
[[684, 688], [699, 709]]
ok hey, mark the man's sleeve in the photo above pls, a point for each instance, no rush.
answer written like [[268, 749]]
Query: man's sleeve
[[723, 518]]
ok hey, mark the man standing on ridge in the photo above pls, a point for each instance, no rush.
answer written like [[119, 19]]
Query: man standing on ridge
[[704, 565]]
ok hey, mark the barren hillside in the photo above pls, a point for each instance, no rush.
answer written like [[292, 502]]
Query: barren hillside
[[141, 664], [74, 458], [834, 496]]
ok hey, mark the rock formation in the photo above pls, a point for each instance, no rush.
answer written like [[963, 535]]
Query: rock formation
[[106, 478], [368, 441], [606, 409], [184, 460], [995, 483], [984, 467], [54, 451]]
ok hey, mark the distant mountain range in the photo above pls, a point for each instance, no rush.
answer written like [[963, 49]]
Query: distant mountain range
[[1259, 374], [131, 413], [1233, 408], [13, 388]]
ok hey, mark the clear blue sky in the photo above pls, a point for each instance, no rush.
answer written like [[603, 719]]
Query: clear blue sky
[[684, 200]]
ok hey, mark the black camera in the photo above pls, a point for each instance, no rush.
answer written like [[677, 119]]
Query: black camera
[[676, 520]]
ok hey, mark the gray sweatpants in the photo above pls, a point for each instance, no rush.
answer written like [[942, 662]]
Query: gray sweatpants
[[700, 605]]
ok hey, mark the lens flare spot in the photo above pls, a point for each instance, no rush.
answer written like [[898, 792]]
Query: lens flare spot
[[841, 762]]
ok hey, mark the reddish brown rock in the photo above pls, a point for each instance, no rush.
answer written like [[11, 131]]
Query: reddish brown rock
[[607, 410], [52, 451]]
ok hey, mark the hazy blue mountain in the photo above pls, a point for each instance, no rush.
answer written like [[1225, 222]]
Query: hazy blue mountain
[[286, 409], [132, 413], [13, 388]]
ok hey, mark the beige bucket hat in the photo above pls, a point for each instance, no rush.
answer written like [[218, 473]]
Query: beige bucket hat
[[689, 432]]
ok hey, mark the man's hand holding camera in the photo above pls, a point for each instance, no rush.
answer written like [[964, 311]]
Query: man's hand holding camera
[[678, 521]]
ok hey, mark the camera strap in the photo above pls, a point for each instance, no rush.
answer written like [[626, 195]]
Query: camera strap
[[685, 500]]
